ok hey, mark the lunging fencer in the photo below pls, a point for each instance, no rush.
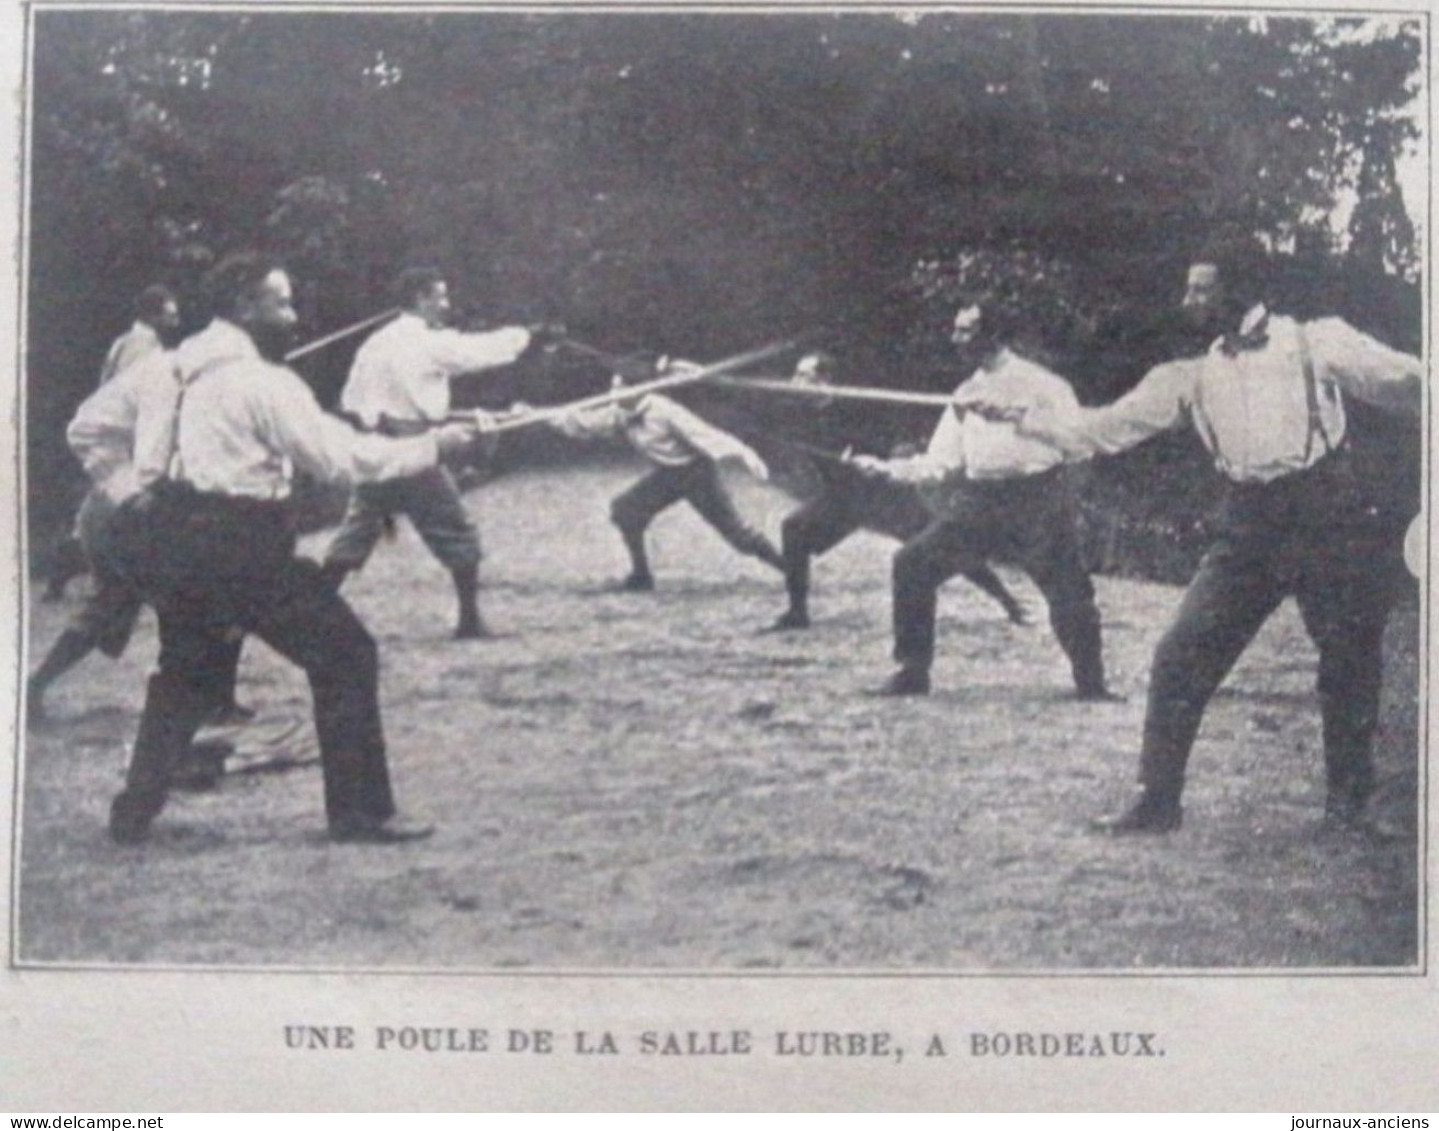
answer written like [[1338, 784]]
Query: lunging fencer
[[139, 369], [847, 502], [1267, 400], [399, 386], [156, 328], [684, 452], [212, 547], [995, 494]]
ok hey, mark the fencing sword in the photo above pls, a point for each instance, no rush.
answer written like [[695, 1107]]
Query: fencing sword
[[344, 332], [687, 376], [612, 361], [838, 392], [867, 393]]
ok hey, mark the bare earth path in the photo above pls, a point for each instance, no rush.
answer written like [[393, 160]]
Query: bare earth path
[[641, 781]]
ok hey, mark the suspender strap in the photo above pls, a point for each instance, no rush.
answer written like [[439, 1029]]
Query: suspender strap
[[1311, 393], [176, 467]]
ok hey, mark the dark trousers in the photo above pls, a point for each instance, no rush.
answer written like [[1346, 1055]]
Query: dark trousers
[[106, 619], [1309, 534], [697, 483], [432, 503], [214, 565], [849, 502], [108, 615], [1027, 521]]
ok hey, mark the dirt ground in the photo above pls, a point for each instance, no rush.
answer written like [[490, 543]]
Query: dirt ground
[[642, 781]]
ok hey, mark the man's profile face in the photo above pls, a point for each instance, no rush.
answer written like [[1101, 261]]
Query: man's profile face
[[169, 316], [810, 370], [166, 322], [1203, 301], [434, 305], [269, 313], [967, 323]]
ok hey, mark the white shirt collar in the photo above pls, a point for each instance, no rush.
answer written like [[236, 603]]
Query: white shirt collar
[[221, 340], [1253, 332]]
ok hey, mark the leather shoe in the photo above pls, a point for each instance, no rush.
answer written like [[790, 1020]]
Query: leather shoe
[[128, 823], [1099, 695], [202, 767], [1146, 817], [789, 622], [373, 830], [906, 681], [475, 629], [638, 583]]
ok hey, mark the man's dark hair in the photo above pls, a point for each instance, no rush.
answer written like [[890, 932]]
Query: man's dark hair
[[150, 303], [1001, 317], [237, 277], [1242, 262], [414, 283], [824, 362]]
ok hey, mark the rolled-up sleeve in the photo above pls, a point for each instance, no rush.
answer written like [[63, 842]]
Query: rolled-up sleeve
[[698, 433], [589, 424], [943, 458], [327, 448], [128, 421], [1365, 367], [456, 352]]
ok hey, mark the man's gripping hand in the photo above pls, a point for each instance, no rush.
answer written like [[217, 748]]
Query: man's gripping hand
[[457, 436], [755, 466], [547, 335], [977, 404], [871, 466]]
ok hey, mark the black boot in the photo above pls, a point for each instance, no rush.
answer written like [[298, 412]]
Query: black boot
[[470, 626], [640, 580], [67, 651], [1153, 814], [908, 680]]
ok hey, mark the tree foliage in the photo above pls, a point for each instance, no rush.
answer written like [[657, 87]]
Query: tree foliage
[[698, 182]]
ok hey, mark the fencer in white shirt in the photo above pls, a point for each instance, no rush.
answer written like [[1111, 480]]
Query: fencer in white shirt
[[995, 494], [399, 385], [1267, 400], [684, 451], [211, 545]]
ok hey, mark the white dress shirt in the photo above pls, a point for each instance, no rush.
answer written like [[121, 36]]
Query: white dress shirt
[[1259, 409], [402, 372], [245, 425], [981, 448], [136, 342], [120, 433], [665, 433]]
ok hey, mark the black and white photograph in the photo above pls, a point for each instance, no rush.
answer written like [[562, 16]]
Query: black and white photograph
[[721, 490], [741, 491]]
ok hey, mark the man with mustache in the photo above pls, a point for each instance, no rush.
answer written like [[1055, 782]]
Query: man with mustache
[[1267, 400], [995, 495], [212, 547]]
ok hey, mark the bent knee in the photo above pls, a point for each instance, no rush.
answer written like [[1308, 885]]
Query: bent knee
[[626, 517]]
